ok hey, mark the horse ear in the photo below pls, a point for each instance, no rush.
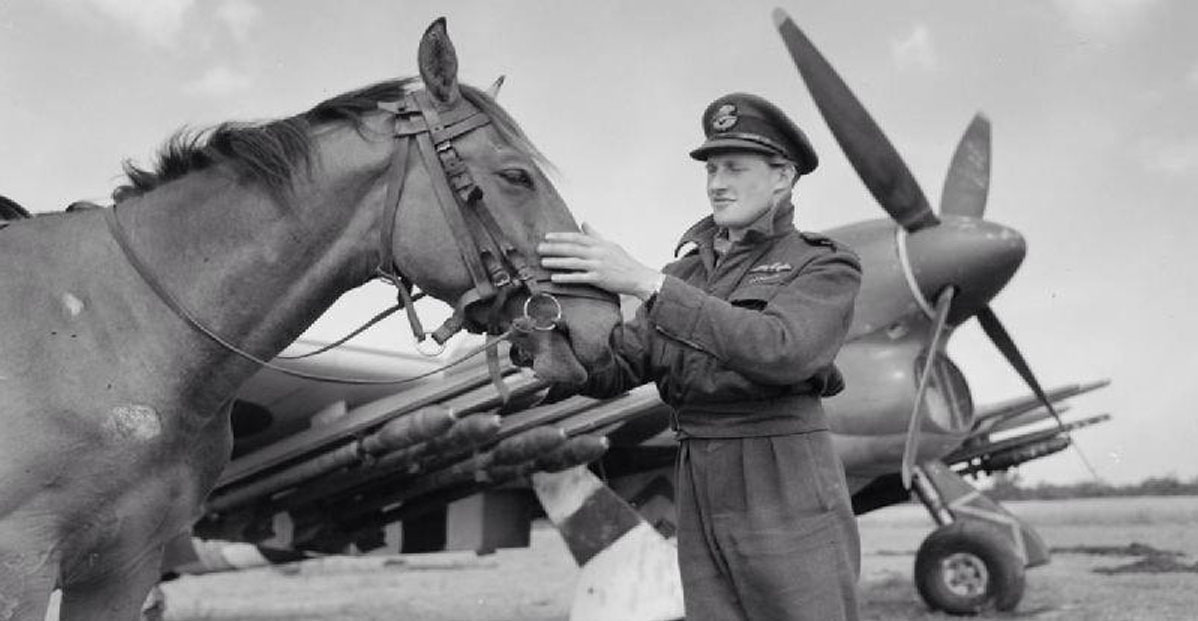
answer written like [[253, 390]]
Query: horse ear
[[439, 64], [493, 90]]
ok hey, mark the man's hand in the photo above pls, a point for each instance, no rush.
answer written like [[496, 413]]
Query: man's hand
[[593, 260]]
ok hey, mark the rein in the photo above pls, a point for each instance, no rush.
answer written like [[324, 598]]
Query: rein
[[122, 240], [496, 266]]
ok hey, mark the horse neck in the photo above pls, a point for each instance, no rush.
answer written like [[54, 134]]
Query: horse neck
[[253, 271]]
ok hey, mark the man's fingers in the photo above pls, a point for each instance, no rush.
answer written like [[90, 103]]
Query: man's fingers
[[547, 249], [569, 237], [567, 263], [572, 277]]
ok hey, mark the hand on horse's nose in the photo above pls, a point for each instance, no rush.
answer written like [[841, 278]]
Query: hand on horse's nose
[[587, 258]]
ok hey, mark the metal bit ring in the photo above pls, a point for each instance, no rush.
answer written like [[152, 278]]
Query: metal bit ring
[[429, 347], [543, 324]]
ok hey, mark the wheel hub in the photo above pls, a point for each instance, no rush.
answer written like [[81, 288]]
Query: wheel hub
[[965, 574]]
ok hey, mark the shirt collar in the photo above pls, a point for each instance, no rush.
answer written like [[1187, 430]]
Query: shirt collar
[[771, 224]]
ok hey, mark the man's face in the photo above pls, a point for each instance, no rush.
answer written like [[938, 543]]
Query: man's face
[[741, 187]]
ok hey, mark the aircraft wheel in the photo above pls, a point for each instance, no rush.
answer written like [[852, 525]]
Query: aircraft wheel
[[966, 567]]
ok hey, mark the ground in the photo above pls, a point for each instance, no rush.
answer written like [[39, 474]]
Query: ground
[[1096, 574]]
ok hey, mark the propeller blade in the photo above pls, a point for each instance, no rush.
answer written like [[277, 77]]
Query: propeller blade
[[968, 179], [911, 448], [1002, 339], [871, 154]]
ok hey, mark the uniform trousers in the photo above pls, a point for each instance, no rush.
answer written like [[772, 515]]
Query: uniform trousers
[[766, 530]]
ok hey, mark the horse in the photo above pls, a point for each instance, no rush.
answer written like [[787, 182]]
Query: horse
[[127, 330]]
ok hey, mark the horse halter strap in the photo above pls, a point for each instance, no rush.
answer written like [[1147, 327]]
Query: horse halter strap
[[496, 266]]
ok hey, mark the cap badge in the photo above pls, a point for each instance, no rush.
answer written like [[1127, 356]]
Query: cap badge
[[725, 117]]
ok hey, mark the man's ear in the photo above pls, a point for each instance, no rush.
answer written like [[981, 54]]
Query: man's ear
[[787, 176]]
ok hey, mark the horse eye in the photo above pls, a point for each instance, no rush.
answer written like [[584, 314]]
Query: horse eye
[[517, 176]]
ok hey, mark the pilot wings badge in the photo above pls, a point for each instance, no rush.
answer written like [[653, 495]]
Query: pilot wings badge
[[771, 268]]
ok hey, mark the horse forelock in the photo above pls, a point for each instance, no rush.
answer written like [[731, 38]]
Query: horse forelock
[[269, 153]]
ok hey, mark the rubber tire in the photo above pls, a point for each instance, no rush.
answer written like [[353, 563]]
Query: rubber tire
[[1005, 581]]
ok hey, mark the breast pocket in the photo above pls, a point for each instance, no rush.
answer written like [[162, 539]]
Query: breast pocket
[[754, 295]]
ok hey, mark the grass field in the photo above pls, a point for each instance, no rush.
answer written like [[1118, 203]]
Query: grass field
[[535, 584]]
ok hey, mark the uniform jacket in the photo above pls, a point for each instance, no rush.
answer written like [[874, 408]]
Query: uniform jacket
[[743, 346]]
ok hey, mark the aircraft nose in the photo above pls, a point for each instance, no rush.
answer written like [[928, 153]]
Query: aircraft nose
[[976, 256]]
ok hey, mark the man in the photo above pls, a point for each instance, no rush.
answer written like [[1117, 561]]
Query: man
[[739, 335]]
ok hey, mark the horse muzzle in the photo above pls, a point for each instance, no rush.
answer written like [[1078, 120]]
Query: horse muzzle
[[562, 338]]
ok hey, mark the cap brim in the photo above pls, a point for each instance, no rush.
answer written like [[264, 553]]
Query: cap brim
[[716, 145]]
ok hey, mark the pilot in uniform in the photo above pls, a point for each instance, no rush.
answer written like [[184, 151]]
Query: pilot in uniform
[[739, 335]]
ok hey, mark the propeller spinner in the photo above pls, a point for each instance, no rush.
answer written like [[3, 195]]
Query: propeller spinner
[[956, 258]]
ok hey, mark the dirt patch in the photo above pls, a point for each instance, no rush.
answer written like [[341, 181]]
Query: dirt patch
[[1154, 561], [1159, 564], [1131, 549]]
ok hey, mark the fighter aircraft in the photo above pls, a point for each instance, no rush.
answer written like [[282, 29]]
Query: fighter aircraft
[[445, 463]]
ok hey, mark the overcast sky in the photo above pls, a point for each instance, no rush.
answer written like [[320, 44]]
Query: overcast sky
[[1094, 105]]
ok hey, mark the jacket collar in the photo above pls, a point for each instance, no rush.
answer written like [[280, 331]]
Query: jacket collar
[[773, 223]]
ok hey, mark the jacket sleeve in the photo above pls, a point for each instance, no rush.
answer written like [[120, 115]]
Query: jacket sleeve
[[629, 364], [796, 334]]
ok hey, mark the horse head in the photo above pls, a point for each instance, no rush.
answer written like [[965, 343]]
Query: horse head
[[483, 197]]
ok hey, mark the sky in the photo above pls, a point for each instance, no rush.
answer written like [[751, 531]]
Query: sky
[[1094, 105]]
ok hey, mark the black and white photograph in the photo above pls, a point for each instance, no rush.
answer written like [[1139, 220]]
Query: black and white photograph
[[553, 310]]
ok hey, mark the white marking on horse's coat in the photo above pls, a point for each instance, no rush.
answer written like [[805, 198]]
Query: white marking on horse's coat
[[138, 422], [74, 305]]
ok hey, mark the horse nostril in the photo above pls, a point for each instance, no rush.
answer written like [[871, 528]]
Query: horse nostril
[[520, 357]]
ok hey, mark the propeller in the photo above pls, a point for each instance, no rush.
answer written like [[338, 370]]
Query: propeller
[[968, 180], [966, 187], [871, 154]]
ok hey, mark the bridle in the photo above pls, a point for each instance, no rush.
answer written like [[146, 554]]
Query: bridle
[[496, 266]]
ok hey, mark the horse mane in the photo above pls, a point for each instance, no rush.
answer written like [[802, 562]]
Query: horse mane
[[269, 153]]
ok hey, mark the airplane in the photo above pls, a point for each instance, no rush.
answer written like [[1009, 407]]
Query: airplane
[[444, 462]]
